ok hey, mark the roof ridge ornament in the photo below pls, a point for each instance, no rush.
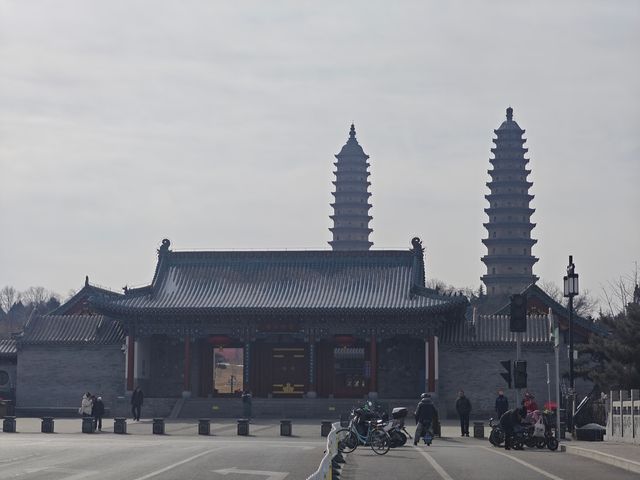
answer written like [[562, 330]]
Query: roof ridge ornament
[[352, 131], [509, 114], [164, 248], [417, 245]]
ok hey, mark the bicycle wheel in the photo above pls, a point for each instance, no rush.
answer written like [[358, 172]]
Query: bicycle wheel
[[380, 442], [349, 441]]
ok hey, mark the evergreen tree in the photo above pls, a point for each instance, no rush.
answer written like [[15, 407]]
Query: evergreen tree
[[615, 358]]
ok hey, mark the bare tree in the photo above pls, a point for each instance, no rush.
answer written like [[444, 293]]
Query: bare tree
[[35, 296], [9, 296], [584, 304], [618, 293]]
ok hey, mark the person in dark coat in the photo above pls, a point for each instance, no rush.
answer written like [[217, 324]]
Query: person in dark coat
[[463, 407], [508, 422], [425, 414], [97, 412], [137, 399], [502, 404]]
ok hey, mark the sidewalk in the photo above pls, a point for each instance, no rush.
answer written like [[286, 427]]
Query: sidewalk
[[621, 455]]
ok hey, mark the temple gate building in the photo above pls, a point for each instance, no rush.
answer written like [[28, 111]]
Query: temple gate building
[[284, 324]]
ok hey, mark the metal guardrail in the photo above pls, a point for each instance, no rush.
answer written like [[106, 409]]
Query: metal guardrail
[[623, 423], [324, 471]]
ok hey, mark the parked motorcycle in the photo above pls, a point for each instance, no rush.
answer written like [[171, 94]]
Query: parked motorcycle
[[396, 429], [496, 437]]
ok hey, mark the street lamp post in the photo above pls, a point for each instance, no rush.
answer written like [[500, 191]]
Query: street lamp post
[[570, 291]]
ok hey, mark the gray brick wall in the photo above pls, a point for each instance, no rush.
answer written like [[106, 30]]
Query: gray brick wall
[[401, 366], [476, 370], [57, 376]]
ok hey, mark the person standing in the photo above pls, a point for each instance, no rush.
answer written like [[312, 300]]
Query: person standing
[[425, 414], [502, 404], [463, 407], [98, 413], [246, 404], [508, 421], [86, 405], [137, 399]]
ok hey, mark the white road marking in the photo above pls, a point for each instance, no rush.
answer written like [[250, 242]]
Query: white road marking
[[436, 466], [264, 473], [177, 464], [526, 464], [75, 474]]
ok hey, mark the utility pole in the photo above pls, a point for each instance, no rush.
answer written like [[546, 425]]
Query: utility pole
[[554, 323]]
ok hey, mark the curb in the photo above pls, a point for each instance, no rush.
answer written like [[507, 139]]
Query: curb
[[625, 464]]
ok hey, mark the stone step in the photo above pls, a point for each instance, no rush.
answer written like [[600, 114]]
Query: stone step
[[277, 408]]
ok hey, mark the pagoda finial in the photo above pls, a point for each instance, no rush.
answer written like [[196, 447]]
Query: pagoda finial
[[509, 114], [352, 131]]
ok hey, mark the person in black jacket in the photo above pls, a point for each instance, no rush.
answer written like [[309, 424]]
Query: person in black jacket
[[508, 421], [97, 412], [502, 404], [463, 407], [136, 403], [425, 413]]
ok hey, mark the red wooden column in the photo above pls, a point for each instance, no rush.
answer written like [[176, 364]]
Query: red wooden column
[[373, 354], [187, 364], [131, 352]]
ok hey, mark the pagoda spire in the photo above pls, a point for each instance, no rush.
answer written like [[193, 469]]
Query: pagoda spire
[[351, 206], [509, 260]]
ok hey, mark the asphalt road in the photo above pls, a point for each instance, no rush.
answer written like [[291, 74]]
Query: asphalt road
[[181, 454], [469, 458]]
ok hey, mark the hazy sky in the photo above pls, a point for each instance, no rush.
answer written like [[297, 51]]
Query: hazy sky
[[214, 124]]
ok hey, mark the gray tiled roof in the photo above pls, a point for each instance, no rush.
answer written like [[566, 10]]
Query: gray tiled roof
[[494, 330], [7, 347], [289, 280], [72, 329]]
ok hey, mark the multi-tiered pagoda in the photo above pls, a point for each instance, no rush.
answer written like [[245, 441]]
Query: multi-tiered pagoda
[[509, 261], [351, 207]]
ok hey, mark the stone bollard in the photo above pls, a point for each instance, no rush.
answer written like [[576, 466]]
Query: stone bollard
[[47, 425], [87, 425], [285, 428], [9, 424], [325, 428], [158, 426], [243, 426], [478, 430], [120, 425], [204, 426]]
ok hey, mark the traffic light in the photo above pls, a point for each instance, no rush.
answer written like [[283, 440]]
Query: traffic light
[[518, 321], [506, 375], [520, 374]]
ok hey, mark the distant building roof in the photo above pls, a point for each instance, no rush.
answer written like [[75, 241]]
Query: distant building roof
[[284, 281], [494, 330], [72, 329], [79, 303], [7, 347], [534, 291]]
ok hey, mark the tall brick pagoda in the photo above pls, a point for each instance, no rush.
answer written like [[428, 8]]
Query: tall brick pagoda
[[351, 206], [509, 260]]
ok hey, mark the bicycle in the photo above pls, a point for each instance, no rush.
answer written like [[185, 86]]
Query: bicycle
[[376, 438]]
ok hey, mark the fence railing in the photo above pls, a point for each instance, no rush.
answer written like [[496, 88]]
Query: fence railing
[[623, 423], [324, 471]]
